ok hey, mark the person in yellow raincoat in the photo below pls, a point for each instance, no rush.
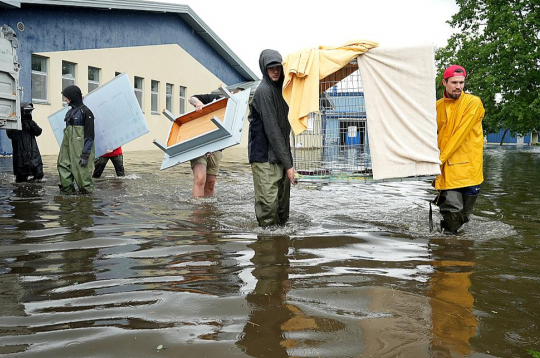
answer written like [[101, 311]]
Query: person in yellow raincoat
[[460, 139]]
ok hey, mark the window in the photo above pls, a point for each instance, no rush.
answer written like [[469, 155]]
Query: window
[[139, 90], [93, 78], [39, 78], [182, 99], [168, 97], [68, 74], [154, 97], [116, 74]]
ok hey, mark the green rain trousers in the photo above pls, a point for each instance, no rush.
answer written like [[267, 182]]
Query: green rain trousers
[[272, 193], [68, 162]]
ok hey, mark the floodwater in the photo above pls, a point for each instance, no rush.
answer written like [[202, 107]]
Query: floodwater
[[139, 269]]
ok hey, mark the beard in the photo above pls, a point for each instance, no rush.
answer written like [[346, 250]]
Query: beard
[[453, 95]]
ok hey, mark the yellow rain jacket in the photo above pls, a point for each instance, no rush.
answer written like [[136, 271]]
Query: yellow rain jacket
[[461, 141], [304, 69]]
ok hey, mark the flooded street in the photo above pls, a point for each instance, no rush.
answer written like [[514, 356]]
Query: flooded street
[[140, 269]]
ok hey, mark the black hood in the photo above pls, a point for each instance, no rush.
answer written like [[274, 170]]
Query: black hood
[[25, 113], [74, 94], [267, 57]]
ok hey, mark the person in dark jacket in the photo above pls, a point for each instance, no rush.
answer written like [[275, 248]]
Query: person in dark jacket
[[26, 156], [269, 144], [76, 158]]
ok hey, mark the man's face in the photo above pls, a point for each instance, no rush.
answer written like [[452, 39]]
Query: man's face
[[274, 73], [66, 100], [454, 86]]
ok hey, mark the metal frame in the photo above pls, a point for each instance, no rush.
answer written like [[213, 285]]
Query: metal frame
[[335, 147]]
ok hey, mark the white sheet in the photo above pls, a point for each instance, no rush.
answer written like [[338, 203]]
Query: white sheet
[[399, 90]]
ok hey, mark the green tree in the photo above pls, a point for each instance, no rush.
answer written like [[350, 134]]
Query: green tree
[[498, 43]]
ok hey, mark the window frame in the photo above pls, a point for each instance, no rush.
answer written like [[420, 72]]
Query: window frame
[[45, 74], [154, 97], [139, 90], [94, 82], [169, 99], [182, 98], [67, 78]]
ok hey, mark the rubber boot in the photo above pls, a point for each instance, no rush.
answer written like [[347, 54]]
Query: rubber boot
[[451, 222], [451, 208], [468, 205]]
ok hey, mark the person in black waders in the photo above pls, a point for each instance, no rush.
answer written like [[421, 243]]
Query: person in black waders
[[26, 156], [76, 158]]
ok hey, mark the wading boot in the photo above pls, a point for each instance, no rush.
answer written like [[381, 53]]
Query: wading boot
[[69, 190], [468, 205], [451, 222]]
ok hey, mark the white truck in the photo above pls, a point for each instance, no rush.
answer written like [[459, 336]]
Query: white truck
[[10, 92]]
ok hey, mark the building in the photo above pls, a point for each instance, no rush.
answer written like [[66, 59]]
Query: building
[[168, 52], [508, 138]]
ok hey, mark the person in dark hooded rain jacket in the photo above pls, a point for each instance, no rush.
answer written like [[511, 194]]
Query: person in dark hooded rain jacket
[[269, 144], [26, 156], [76, 158]]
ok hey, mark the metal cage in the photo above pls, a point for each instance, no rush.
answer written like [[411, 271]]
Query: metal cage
[[335, 145]]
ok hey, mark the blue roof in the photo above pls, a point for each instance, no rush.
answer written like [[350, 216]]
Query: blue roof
[[184, 11]]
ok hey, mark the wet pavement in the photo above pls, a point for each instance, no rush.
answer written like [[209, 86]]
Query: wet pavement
[[139, 269]]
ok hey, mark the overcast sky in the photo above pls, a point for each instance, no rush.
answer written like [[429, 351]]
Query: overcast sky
[[250, 26]]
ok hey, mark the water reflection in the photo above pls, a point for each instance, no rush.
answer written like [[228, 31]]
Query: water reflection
[[355, 273], [76, 214], [25, 210], [27, 206], [453, 320], [263, 334], [352, 288]]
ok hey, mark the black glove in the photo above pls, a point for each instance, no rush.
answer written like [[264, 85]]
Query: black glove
[[84, 160]]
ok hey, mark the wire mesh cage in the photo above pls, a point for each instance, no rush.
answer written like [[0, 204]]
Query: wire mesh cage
[[335, 145]]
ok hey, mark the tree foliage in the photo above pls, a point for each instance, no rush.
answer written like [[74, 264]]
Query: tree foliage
[[498, 43]]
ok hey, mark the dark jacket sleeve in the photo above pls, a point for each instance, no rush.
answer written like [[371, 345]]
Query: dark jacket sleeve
[[207, 98], [268, 112], [88, 118], [11, 133], [33, 128], [257, 140]]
